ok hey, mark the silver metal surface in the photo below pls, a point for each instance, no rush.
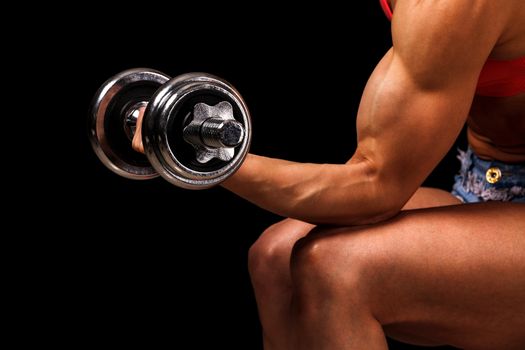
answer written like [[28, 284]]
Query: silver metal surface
[[155, 131], [131, 167], [217, 132], [214, 132], [131, 116]]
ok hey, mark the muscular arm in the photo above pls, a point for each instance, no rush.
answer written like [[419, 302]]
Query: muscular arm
[[411, 111]]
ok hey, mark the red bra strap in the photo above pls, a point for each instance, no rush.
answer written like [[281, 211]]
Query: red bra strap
[[386, 9]]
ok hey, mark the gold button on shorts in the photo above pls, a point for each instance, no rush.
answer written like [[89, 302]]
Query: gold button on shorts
[[493, 175]]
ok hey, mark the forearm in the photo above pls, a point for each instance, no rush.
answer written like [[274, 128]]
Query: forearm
[[338, 194]]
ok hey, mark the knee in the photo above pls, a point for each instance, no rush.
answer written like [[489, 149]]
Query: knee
[[263, 257], [325, 265], [269, 256]]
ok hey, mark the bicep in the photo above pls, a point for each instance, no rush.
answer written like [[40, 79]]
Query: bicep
[[404, 130], [419, 96]]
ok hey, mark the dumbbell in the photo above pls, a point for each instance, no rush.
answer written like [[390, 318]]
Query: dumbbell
[[196, 128]]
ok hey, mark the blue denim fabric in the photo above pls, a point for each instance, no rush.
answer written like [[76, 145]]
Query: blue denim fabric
[[471, 185]]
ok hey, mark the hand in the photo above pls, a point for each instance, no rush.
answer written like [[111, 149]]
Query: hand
[[136, 143]]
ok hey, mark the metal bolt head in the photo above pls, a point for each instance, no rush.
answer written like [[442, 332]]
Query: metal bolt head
[[217, 133]]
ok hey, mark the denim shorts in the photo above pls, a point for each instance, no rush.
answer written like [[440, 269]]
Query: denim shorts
[[483, 180]]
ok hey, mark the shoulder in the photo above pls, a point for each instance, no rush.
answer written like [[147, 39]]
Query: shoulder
[[453, 14], [432, 37]]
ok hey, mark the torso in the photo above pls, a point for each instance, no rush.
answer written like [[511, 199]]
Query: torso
[[496, 128], [497, 124]]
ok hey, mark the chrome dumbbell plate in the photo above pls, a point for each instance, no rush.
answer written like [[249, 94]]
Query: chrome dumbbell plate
[[171, 110], [109, 133]]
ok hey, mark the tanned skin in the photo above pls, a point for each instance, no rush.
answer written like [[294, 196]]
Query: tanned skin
[[366, 251]]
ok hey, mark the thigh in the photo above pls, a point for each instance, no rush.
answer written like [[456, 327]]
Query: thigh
[[453, 274], [276, 242]]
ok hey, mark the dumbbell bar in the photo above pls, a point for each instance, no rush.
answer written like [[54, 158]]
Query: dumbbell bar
[[196, 128]]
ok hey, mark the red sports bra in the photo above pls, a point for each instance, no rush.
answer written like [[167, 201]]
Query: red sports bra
[[498, 78]]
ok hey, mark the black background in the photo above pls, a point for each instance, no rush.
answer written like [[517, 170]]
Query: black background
[[145, 263]]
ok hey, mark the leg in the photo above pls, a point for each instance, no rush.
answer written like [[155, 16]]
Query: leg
[[452, 275], [269, 266], [268, 263]]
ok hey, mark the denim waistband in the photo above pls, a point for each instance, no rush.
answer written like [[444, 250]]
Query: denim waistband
[[507, 181]]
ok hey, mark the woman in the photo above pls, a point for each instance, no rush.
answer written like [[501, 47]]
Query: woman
[[413, 263], [449, 274]]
